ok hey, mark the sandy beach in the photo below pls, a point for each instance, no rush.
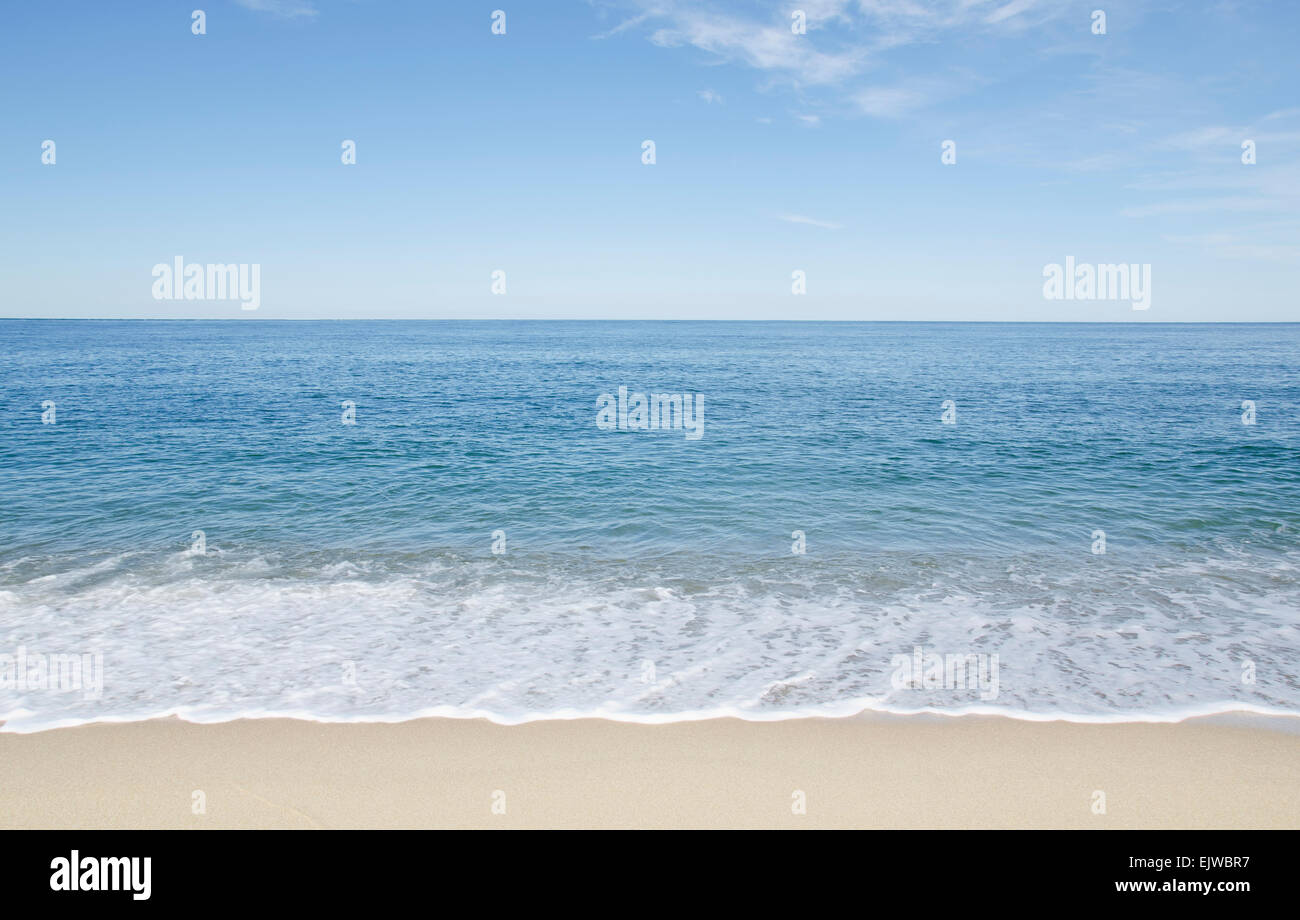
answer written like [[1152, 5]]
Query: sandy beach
[[887, 772]]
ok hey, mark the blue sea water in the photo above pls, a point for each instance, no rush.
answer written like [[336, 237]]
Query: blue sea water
[[349, 570]]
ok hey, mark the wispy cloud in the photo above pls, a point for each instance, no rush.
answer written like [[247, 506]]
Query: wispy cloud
[[709, 96], [630, 23], [768, 45], [1203, 138], [811, 222], [285, 9], [1177, 137], [1007, 11], [1239, 204], [1242, 246], [844, 40], [889, 102]]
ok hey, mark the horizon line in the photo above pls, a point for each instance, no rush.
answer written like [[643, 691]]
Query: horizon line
[[534, 319]]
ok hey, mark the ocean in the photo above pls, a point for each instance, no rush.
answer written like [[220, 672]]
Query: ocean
[[373, 521]]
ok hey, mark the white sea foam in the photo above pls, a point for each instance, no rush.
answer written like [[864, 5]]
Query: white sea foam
[[373, 639]]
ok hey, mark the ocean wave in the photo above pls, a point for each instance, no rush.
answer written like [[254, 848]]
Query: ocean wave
[[344, 637]]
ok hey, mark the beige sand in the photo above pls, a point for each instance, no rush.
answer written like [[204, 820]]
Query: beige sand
[[863, 772]]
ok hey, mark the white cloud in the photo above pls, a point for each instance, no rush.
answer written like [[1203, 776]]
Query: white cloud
[[709, 96]]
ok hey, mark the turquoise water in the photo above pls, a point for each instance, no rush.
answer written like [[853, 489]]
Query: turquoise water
[[348, 570]]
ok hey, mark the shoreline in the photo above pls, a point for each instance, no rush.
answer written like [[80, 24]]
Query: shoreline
[[1253, 717], [1233, 770]]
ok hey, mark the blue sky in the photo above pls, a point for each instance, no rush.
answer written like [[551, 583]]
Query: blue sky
[[775, 152]]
